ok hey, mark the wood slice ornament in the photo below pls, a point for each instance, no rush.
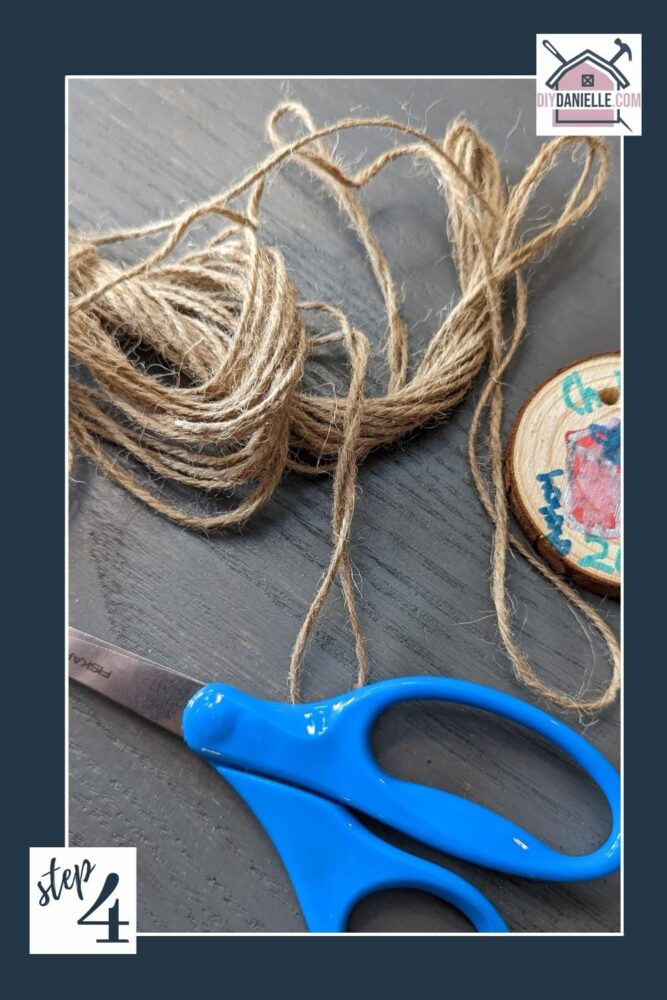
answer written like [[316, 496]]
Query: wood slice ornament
[[563, 472]]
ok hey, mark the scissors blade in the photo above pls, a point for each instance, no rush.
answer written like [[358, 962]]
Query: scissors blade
[[157, 693]]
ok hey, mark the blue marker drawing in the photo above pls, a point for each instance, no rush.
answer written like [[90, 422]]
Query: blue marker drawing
[[579, 397], [550, 512]]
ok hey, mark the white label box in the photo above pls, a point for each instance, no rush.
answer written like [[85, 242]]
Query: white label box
[[83, 900]]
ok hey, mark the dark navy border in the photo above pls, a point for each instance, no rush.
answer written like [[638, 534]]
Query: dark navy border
[[413, 39]]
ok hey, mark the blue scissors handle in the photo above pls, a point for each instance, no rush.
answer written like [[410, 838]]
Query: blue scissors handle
[[333, 861], [325, 748]]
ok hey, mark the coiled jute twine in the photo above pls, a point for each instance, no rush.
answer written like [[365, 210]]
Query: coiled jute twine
[[226, 321]]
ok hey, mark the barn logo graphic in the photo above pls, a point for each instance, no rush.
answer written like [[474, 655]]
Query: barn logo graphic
[[588, 85]]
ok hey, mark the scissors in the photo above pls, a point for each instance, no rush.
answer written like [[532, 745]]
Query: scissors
[[302, 768]]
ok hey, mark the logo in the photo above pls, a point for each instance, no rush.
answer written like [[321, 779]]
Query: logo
[[589, 85], [95, 668], [83, 901]]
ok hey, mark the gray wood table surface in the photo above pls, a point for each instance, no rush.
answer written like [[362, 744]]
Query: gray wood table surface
[[229, 607]]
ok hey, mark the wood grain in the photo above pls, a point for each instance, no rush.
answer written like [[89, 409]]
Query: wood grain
[[229, 607]]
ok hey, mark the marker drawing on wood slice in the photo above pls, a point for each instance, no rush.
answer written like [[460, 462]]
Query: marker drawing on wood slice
[[563, 472]]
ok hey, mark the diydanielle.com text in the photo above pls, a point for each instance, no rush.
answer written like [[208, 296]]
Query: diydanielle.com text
[[591, 99]]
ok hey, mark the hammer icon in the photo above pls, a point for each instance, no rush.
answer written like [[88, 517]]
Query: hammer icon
[[623, 50]]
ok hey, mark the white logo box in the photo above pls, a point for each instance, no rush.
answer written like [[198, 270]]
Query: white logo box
[[588, 85]]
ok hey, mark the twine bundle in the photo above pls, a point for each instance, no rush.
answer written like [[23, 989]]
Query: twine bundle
[[225, 322]]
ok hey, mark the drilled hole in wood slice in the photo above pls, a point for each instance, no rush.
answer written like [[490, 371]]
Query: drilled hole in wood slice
[[609, 396]]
